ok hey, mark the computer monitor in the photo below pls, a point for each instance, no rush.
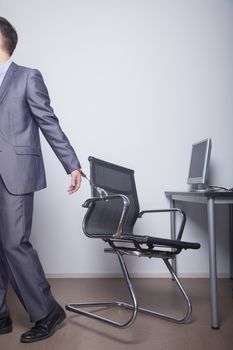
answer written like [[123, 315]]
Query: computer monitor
[[198, 169]]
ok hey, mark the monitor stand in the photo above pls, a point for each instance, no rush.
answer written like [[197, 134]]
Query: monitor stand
[[200, 188]]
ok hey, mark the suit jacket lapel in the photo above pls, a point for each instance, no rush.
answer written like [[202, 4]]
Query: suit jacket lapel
[[6, 81]]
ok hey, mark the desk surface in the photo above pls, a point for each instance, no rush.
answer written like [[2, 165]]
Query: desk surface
[[213, 194], [219, 197]]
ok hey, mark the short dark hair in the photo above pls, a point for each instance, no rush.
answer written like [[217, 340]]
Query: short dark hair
[[9, 35]]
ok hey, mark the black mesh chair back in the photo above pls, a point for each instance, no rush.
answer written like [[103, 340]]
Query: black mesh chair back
[[113, 179]]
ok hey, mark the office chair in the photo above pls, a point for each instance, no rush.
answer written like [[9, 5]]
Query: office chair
[[111, 214]]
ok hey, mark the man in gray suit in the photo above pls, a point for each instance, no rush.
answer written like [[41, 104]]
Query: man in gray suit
[[24, 109]]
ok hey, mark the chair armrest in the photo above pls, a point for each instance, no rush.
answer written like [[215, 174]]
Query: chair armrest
[[172, 210], [88, 202], [126, 203]]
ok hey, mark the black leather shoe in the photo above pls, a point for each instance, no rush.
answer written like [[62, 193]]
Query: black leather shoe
[[5, 325], [45, 327]]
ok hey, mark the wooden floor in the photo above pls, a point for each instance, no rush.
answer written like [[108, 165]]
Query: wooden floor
[[80, 333]]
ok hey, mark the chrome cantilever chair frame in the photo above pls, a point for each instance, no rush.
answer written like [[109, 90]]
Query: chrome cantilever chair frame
[[138, 249]]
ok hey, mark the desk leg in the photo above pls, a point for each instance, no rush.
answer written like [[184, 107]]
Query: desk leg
[[231, 238], [173, 232], [212, 264]]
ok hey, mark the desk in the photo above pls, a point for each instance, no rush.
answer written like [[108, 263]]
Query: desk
[[211, 198]]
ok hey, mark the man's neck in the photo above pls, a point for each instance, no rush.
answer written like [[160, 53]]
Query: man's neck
[[3, 57]]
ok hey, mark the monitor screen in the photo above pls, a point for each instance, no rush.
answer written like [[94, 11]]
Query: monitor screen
[[199, 162]]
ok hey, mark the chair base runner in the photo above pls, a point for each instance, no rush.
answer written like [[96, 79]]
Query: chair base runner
[[77, 307]]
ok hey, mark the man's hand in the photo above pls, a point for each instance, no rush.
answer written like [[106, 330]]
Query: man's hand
[[76, 179]]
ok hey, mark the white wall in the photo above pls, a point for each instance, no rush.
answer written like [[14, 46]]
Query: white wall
[[134, 82]]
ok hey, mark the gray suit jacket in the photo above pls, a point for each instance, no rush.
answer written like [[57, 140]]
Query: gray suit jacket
[[24, 109]]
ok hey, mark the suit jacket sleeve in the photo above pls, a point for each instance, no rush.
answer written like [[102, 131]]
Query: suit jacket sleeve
[[39, 104]]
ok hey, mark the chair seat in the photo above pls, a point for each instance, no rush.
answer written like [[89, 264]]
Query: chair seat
[[155, 241], [172, 243]]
